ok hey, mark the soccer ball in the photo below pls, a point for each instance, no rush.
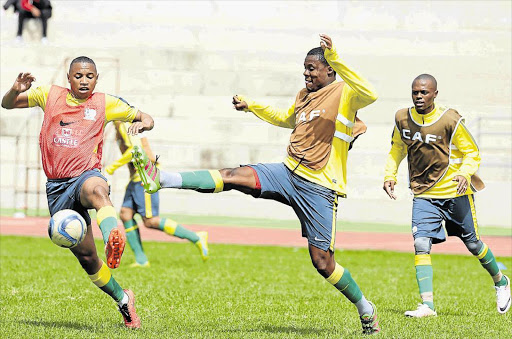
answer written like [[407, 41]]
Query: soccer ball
[[67, 228]]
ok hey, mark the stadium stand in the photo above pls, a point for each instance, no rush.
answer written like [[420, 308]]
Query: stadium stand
[[182, 61]]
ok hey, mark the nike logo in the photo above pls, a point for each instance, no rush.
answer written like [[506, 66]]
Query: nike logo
[[316, 239], [62, 123], [421, 279], [502, 309]]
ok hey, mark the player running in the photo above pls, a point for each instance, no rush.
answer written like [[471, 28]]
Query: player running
[[146, 205], [443, 158], [323, 119], [71, 142]]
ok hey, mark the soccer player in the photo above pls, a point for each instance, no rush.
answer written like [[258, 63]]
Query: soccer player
[[313, 175], [146, 205], [442, 157], [71, 142]]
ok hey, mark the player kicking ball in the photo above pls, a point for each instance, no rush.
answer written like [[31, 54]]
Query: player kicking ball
[[71, 141], [146, 205], [313, 176], [443, 158]]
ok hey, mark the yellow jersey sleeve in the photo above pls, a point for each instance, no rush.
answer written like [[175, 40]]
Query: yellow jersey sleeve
[[37, 96], [467, 146], [129, 141], [396, 155], [117, 108], [359, 93], [272, 115]]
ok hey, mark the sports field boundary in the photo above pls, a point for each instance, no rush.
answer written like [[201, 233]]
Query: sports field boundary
[[399, 242]]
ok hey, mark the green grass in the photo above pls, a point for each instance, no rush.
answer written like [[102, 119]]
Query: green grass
[[286, 224], [242, 292]]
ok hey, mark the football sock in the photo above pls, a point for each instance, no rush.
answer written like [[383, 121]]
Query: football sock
[[104, 280], [425, 277], [133, 237], [202, 181], [488, 261], [170, 179], [171, 227], [342, 280], [107, 220], [124, 300]]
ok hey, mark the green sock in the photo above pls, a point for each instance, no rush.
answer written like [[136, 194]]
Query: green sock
[[202, 181], [488, 261], [425, 278], [107, 220], [133, 237], [171, 227], [342, 280], [106, 282]]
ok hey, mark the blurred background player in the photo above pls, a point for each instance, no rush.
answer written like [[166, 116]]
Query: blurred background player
[[313, 175], [146, 205], [443, 158], [71, 141], [31, 9]]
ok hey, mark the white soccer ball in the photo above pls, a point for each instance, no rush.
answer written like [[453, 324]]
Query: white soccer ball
[[67, 228]]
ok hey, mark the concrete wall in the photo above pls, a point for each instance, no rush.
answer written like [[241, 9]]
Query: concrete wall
[[182, 62]]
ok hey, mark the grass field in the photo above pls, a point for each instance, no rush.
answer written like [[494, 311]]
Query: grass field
[[242, 292]]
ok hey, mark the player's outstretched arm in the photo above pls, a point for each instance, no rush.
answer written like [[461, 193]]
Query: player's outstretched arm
[[16, 96], [272, 115], [142, 122]]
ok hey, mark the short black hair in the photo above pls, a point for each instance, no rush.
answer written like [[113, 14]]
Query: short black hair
[[319, 53], [82, 59], [426, 77]]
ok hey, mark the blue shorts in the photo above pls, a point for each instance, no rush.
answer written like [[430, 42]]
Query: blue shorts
[[458, 213], [141, 202], [65, 193], [314, 205]]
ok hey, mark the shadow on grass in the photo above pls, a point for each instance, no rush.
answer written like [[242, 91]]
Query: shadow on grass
[[59, 324]]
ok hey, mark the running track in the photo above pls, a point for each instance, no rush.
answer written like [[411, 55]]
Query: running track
[[400, 242]]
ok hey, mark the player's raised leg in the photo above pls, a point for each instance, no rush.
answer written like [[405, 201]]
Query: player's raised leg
[[100, 275], [204, 181], [95, 194]]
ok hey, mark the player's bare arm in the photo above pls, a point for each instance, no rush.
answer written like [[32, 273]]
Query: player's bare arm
[[238, 104], [142, 122], [389, 187], [462, 184], [16, 96]]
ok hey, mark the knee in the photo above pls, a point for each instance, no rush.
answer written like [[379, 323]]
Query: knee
[[227, 173], [100, 191], [474, 246], [422, 245], [88, 260], [323, 265], [152, 222], [124, 216]]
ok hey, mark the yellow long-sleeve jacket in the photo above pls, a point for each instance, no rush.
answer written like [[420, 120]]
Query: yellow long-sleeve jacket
[[356, 94]]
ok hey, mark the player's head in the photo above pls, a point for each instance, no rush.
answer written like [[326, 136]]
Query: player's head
[[424, 91], [82, 77], [317, 72]]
